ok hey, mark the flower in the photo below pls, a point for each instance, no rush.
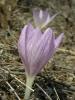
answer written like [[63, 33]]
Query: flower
[[36, 48], [42, 17]]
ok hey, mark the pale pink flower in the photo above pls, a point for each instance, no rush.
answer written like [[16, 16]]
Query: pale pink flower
[[42, 17], [36, 48]]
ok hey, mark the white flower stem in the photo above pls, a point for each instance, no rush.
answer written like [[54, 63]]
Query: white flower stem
[[29, 83]]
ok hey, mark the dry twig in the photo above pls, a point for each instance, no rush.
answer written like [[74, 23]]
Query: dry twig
[[44, 92], [56, 93], [17, 79], [13, 90], [66, 51]]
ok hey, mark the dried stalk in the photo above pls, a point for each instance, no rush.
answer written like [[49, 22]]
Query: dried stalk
[[13, 90]]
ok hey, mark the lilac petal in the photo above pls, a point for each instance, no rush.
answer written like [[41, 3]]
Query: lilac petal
[[42, 52], [36, 16], [36, 36], [58, 40], [49, 19], [30, 32], [39, 16], [32, 43], [43, 15], [42, 18], [22, 43]]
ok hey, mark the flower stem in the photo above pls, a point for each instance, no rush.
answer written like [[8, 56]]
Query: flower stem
[[29, 83]]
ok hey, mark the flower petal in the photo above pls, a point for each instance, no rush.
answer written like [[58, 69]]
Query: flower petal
[[36, 16], [49, 19], [36, 36], [39, 16], [30, 32], [22, 43], [32, 43], [42, 18], [42, 52], [58, 40]]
